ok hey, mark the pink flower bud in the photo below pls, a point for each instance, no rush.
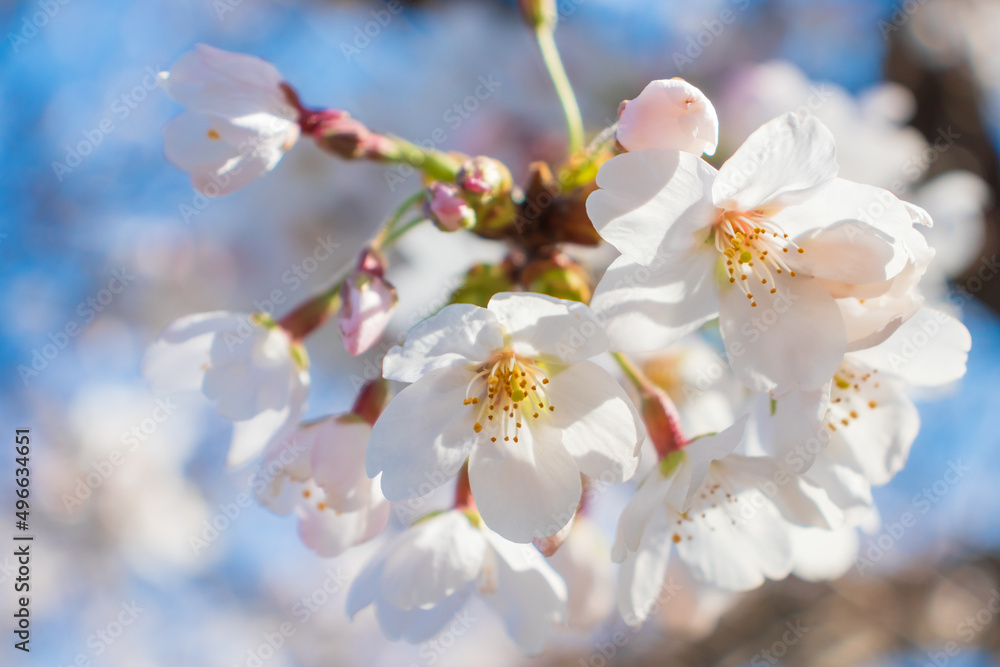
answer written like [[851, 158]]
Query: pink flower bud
[[662, 422], [447, 209], [368, 304], [671, 114], [484, 177]]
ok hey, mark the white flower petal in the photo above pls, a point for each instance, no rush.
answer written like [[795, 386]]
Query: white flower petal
[[423, 436], [651, 307], [432, 560], [419, 625], [783, 157], [530, 597], [178, 359], [598, 423], [641, 577], [792, 339], [737, 557], [525, 489], [459, 335], [552, 329], [653, 203], [929, 349], [330, 533]]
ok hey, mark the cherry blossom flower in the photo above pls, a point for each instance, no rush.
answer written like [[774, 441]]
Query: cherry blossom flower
[[867, 421], [319, 473], [247, 365], [672, 114], [769, 244], [724, 513], [509, 386], [238, 123], [421, 578]]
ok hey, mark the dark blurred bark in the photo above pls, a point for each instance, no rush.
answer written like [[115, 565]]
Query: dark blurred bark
[[950, 97]]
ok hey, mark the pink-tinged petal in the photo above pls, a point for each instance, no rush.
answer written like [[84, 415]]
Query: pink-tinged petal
[[599, 425], [648, 308], [525, 489], [653, 203], [547, 328], [423, 436], [368, 304], [330, 533], [212, 81], [460, 336], [783, 157], [338, 446], [929, 349], [284, 468], [433, 559], [793, 339], [669, 114], [869, 321], [850, 233]]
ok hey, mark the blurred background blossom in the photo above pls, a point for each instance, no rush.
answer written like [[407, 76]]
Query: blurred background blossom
[[150, 552]]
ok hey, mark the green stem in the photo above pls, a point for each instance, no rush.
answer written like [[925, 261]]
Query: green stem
[[583, 169], [632, 372], [387, 229], [553, 63], [395, 234], [439, 166]]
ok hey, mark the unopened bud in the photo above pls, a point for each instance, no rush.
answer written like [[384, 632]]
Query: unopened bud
[[662, 421], [539, 13], [481, 282], [484, 178], [446, 207], [346, 137], [669, 114], [371, 400], [368, 304]]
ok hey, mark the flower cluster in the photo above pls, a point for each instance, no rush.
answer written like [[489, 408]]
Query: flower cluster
[[799, 290]]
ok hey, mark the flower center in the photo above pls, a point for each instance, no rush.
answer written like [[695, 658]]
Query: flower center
[[507, 393], [847, 396], [753, 247]]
